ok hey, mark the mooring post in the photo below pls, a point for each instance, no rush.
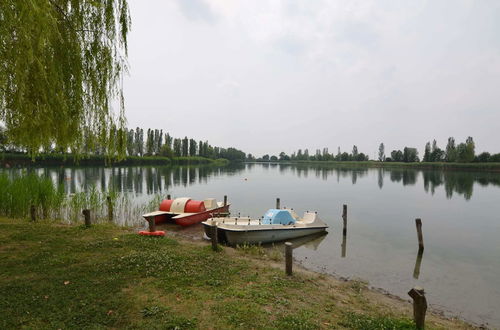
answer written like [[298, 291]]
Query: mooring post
[[110, 208], [344, 217], [168, 196], [86, 215], [418, 262], [33, 213], [214, 236], [225, 200], [419, 306], [288, 257], [152, 224], [418, 223], [277, 203]]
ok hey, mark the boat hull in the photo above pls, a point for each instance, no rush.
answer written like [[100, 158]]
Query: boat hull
[[261, 236], [192, 218]]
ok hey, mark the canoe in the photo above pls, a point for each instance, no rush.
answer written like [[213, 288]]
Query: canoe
[[277, 225]]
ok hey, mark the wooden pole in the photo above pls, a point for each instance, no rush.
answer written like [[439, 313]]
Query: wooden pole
[[288, 258], [225, 200], [214, 237], [152, 224], [33, 213], [418, 262], [277, 203], [86, 215], [344, 217], [110, 208], [168, 196], [418, 223], [419, 306]]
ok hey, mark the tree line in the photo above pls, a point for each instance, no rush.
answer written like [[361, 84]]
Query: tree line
[[453, 153], [137, 142], [319, 155], [162, 144]]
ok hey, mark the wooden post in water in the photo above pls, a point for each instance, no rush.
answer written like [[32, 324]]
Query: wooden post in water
[[418, 262], [277, 203], [418, 223], [168, 196], [288, 258], [419, 306], [33, 213], [86, 215], [152, 224], [344, 230], [225, 200], [344, 217], [214, 236], [110, 208]]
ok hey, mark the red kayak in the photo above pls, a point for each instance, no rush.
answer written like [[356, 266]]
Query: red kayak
[[185, 211]]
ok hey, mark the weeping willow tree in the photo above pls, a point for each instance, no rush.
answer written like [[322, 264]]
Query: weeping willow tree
[[61, 69]]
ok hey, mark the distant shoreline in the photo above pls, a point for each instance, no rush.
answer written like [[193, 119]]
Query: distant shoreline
[[11, 159], [489, 167]]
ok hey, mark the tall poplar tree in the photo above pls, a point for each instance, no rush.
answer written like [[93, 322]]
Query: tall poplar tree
[[61, 64]]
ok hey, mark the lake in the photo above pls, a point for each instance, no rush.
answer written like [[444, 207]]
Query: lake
[[460, 212]]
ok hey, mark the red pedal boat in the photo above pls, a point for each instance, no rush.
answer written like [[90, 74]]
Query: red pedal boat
[[184, 211]]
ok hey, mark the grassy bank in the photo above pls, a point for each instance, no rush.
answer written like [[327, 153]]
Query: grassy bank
[[494, 167], [55, 276], [68, 160]]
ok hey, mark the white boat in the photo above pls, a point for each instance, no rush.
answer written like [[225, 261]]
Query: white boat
[[276, 225]]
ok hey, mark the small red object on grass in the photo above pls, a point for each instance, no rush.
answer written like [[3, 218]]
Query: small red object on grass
[[152, 233]]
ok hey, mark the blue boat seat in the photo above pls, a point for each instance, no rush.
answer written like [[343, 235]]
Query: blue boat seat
[[278, 217]]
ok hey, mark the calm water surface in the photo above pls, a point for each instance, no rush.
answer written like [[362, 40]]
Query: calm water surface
[[460, 212]]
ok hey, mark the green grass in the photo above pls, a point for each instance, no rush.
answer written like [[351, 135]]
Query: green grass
[[58, 276], [367, 322]]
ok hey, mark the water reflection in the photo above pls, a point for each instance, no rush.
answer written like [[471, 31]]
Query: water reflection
[[454, 182], [151, 180], [136, 180]]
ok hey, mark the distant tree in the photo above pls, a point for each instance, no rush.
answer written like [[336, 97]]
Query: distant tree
[[306, 154], [185, 146], [283, 156], [381, 152], [159, 143], [410, 155], [149, 142], [495, 158], [437, 155], [250, 157], [427, 152], [274, 158], [177, 147], [265, 158], [354, 152], [471, 149], [344, 156], [483, 157], [397, 155], [192, 147], [166, 151], [451, 151], [130, 143], [362, 157]]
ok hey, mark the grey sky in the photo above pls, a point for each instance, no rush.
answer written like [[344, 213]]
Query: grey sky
[[271, 76]]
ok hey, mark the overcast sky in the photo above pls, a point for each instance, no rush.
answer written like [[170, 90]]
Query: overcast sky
[[271, 76]]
